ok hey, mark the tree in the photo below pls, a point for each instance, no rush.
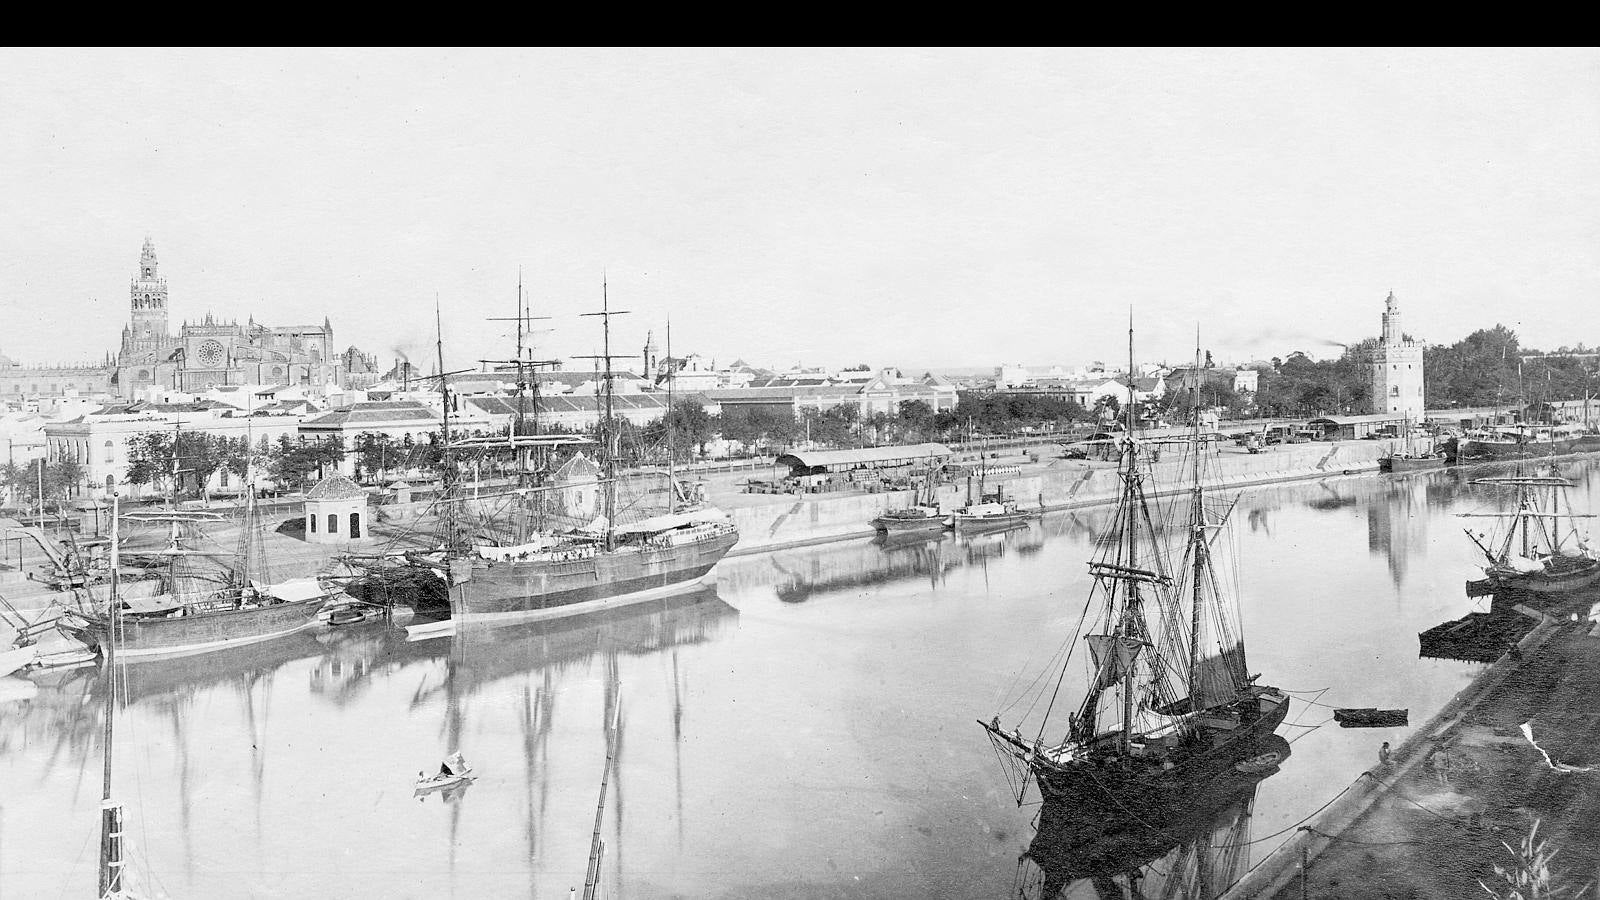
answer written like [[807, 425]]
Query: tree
[[60, 480], [375, 452], [690, 425], [295, 464], [915, 413]]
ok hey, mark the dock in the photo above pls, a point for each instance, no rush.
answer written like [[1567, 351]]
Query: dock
[[1436, 819]]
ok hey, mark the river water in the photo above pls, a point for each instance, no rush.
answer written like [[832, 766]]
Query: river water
[[806, 729]]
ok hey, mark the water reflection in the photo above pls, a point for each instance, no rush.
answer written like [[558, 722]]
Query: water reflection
[[186, 717], [840, 693], [1191, 847], [797, 576]]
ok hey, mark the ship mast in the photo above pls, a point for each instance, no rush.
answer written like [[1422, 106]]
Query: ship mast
[[1130, 607], [525, 421], [446, 467], [672, 429], [607, 433], [111, 862], [1197, 535]]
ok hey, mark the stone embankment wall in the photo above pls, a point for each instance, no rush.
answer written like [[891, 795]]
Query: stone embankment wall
[[794, 520]]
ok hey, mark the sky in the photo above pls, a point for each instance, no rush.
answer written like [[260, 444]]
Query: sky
[[910, 208]]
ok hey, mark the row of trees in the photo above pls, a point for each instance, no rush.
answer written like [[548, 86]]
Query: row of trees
[[186, 462], [1488, 367], [58, 481]]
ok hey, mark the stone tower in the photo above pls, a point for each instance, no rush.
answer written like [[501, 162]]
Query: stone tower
[[651, 360], [1397, 368], [147, 329]]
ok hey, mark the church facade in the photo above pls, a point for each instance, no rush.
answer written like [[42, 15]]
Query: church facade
[[209, 353], [1397, 387]]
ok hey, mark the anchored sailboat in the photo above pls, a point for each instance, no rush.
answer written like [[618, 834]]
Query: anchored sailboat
[[1537, 546], [193, 610], [1411, 458], [922, 515], [1169, 698], [603, 563], [113, 847]]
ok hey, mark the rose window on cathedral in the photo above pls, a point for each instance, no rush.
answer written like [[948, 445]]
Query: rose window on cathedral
[[210, 354]]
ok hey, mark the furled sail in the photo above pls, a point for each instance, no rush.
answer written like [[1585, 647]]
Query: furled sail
[[1220, 676]]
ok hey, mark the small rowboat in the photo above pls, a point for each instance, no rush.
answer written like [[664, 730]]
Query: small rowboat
[[351, 615], [1371, 717], [428, 784]]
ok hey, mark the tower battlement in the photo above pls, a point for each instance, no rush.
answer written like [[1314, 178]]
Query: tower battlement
[[1397, 373]]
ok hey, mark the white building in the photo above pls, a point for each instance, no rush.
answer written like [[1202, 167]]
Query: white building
[[1397, 368], [99, 441]]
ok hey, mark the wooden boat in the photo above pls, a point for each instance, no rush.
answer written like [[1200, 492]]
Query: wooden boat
[[1410, 457], [1536, 546], [1370, 717], [1170, 700], [1400, 463], [542, 573], [911, 519], [1000, 513], [352, 615], [923, 514], [193, 610], [1193, 847], [1527, 441], [430, 783]]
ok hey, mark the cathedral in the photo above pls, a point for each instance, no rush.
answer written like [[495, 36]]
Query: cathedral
[[209, 353]]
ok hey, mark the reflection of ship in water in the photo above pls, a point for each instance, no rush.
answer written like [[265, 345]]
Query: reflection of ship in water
[[1022, 538], [348, 657], [798, 576], [1189, 846], [879, 561], [514, 670]]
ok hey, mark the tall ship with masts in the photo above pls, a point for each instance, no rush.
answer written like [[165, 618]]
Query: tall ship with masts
[[193, 605], [545, 569], [1536, 545], [1168, 699]]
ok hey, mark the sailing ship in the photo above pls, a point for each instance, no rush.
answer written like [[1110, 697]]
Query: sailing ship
[[192, 609], [548, 572], [922, 515], [1411, 458], [1198, 852], [1169, 700], [113, 846], [1538, 547]]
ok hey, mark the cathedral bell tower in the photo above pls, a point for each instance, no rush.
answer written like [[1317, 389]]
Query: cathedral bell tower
[[148, 303]]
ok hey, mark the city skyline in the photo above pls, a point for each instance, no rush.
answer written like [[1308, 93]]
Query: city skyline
[[924, 209]]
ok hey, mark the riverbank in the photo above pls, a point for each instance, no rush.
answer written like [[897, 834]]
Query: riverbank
[[778, 521], [1437, 817]]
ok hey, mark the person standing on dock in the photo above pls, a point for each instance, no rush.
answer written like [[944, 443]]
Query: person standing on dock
[[1383, 754], [1440, 761]]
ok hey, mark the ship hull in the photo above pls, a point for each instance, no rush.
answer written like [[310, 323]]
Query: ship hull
[[1577, 575], [1479, 451], [1410, 463], [543, 589], [891, 525], [1116, 786], [198, 632], [982, 523]]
